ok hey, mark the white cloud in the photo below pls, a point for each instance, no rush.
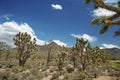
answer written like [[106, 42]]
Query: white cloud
[[111, 1], [104, 45], [10, 29], [102, 48], [60, 43], [85, 36], [56, 6], [102, 12]]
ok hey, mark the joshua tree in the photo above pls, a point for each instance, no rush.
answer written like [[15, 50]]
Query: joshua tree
[[6, 47], [74, 56], [104, 55], [106, 21], [3, 46], [50, 48], [80, 47], [25, 46], [61, 58], [89, 57]]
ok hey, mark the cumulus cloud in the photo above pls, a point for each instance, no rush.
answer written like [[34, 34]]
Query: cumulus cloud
[[11, 28], [60, 43], [111, 1], [103, 12], [56, 6], [104, 45], [85, 36]]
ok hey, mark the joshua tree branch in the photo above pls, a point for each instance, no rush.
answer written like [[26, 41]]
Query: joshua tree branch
[[109, 20], [101, 4]]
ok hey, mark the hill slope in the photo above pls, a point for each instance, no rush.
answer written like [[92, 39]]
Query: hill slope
[[115, 52]]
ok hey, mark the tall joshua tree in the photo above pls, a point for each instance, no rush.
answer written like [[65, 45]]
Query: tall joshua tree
[[25, 46], [74, 56], [61, 58], [6, 47], [106, 21], [50, 48], [80, 46]]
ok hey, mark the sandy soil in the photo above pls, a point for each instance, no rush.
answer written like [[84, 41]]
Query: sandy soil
[[105, 78]]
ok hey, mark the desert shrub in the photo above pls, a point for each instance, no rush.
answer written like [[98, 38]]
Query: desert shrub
[[31, 77], [1, 65], [4, 75], [24, 76], [13, 76], [67, 76], [9, 65], [8, 75], [70, 69], [37, 74], [82, 76], [52, 63], [114, 72], [5, 64], [55, 75], [72, 76], [18, 69], [53, 68], [44, 68]]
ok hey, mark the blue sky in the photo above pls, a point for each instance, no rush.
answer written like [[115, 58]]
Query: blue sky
[[58, 20]]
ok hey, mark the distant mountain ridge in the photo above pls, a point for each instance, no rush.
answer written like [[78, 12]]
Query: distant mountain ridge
[[114, 51], [53, 45]]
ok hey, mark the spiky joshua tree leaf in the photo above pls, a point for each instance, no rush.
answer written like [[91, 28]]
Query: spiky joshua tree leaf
[[117, 33], [104, 29], [87, 1]]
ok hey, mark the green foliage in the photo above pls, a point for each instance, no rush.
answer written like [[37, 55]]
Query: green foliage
[[117, 33], [88, 56], [110, 20], [88, 1], [104, 29], [61, 58], [25, 46], [95, 6], [115, 63], [98, 20], [80, 44], [70, 69], [118, 4]]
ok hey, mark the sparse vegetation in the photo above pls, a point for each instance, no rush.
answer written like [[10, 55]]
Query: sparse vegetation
[[80, 62], [25, 46]]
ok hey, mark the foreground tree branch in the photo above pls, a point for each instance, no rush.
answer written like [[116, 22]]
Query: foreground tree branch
[[101, 4], [107, 21]]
